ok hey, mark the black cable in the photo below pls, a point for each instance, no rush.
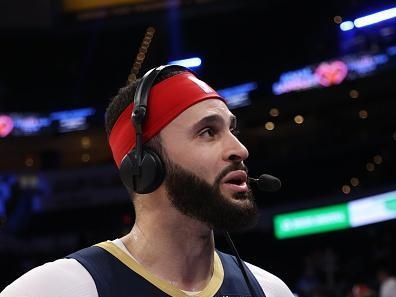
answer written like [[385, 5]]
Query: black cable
[[241, 265]]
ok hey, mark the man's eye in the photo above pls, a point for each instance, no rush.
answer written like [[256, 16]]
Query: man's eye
[[207, 132]]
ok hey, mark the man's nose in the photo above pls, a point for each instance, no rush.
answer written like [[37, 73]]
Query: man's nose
[[235, 150]]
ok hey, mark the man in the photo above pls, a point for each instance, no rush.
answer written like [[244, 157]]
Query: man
[[202, 184]]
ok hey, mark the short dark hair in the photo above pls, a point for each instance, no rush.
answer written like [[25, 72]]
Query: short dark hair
[[125, 96]]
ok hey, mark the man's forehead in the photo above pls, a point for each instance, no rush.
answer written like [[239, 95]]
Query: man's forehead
[[206, 108]]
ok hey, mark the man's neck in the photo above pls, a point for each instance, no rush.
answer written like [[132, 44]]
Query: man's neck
[[175, 248]]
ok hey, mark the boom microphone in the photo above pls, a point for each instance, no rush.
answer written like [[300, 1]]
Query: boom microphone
[[267, 183]]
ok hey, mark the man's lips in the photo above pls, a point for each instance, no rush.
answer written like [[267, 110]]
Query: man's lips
[[235, 176], [236, 181]]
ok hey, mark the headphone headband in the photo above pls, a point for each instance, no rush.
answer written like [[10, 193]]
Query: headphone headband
[[140, 108], [143, 89]]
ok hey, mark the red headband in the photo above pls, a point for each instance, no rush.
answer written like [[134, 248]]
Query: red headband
[[166, 101]]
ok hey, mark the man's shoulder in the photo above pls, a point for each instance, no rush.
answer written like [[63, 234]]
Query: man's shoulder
[[63, 277], [271, 284]]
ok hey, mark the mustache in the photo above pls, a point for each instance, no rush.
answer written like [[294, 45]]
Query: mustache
[[230, 168]]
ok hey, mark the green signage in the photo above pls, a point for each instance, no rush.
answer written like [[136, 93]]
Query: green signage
[[312, 221], [390, 204]]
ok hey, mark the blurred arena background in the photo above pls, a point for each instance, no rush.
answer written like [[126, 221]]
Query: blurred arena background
[[313, 90]]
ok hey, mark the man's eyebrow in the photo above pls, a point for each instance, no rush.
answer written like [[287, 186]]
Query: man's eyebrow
[[212, 120]]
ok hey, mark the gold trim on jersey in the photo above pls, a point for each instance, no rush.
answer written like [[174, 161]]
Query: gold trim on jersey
[[210, 290]]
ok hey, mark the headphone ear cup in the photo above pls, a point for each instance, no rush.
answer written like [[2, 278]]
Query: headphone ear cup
[[152, 172]]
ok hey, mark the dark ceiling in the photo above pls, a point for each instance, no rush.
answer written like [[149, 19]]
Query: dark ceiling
[[51, 60]]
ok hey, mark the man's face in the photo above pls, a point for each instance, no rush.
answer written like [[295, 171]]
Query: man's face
[[206, 178]]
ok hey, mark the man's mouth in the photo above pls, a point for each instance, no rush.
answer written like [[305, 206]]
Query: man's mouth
[[236, 181]]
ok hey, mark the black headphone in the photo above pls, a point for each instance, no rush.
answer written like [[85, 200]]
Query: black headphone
[[142, 170]]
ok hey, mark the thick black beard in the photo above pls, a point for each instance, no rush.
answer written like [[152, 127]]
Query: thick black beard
[[198, 199]]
